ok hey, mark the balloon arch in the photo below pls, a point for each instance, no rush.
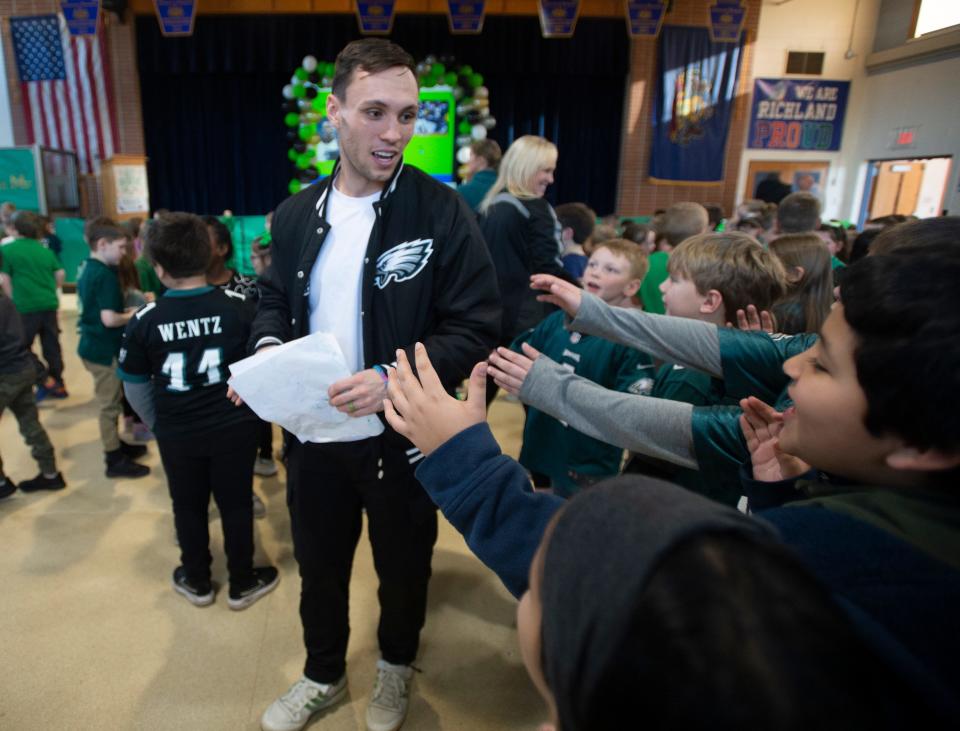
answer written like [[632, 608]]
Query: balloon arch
[[313, 139]]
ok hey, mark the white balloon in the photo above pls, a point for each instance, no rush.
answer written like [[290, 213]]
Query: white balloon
[[481, 92], [310, 63], [463, 155], [478, 132], [288, 91]]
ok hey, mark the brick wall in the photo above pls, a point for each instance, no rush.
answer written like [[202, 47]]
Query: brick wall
[[121, 48], [637, 195]]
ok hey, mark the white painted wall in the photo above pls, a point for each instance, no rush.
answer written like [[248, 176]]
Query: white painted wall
[[6, 120], [920, 95]]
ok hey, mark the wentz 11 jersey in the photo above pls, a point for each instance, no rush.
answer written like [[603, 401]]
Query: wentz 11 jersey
[[184, 342]]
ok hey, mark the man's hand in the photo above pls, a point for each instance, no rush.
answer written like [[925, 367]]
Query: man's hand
[[422, 411], [752, 320], [561, 293], [509, 369], [761, 425], [361, 394]]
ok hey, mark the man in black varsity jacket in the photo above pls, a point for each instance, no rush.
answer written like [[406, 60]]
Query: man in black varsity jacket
[[382, 256]]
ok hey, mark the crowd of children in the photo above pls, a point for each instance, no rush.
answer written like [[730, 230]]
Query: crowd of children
[[801, 372]]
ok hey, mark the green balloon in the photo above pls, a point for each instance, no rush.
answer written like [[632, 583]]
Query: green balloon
[[467, 101], [302, 74], [294, 187], [439, 69], [305, 133], [299, 91], [292, 119], [292, 155], [318, 104], [464, 127], [450, 78], [476, 80], [304, 160], [466, 70]]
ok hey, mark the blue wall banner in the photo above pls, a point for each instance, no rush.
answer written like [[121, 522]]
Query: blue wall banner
[[466, 17], [558, 18], [376, 18], [176, 16], [795, 114], [726, 21], [81, 16], [644, 17], [695, 92]]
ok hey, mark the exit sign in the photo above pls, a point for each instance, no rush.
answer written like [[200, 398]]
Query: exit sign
[[904, 138]]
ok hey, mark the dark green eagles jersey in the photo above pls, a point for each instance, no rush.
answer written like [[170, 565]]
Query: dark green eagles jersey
[[549, 445], [184, 342], [752, 362]]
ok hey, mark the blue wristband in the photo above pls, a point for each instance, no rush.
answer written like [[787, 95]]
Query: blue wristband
[[382, 371]]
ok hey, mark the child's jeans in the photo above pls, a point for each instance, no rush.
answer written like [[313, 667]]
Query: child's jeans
[[16, 394]]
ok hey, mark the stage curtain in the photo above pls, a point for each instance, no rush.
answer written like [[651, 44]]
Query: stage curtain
[[211, 103]]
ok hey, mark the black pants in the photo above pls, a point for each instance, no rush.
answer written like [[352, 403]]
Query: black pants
[[265, 440], [220, 463], [328, 488], [45, 325]]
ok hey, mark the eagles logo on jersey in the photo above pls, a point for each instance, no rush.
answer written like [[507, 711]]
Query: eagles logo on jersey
[[402, 262]]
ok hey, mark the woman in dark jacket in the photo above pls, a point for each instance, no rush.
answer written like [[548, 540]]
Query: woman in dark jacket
[[522, 231]]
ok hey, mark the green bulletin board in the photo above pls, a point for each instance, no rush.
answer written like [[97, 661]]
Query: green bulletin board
[[18, 178]]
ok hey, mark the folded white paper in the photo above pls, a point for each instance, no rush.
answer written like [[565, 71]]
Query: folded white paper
[[288, 386]]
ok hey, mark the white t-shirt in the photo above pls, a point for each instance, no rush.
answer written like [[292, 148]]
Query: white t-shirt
[[335, 291]]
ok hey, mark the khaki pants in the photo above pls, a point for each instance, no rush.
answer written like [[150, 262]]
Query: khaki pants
[[16, 394], [108, 392]]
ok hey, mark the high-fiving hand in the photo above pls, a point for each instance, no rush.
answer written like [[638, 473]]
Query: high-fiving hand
[[422, 411], [559, 292], [509, 369]]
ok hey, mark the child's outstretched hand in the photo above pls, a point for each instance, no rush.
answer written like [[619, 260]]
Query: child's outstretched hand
[[752, 320], [761, 425], [422, 411], [561, 293], [509, 369]]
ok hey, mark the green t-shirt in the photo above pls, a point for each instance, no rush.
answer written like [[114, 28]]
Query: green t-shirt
[[149, 281], [31, 266], [99, 289], [835, 263], [650, 287], [549, 445]]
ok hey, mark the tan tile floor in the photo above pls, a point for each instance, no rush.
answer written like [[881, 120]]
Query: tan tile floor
[[93, 637]]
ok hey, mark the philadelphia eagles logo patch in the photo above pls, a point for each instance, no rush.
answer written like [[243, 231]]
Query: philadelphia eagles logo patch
[[402, 262]]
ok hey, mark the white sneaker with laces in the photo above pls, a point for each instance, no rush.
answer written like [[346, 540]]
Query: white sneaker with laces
[[292, 710], [391, 695]]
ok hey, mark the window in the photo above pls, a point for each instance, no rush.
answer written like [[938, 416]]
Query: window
[[934, 15]]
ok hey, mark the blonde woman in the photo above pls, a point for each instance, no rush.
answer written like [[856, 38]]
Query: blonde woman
[[522, 231]]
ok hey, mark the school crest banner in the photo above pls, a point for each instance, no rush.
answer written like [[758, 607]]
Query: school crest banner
[[695, 93]]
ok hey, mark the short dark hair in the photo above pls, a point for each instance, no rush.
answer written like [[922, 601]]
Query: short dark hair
[[714, 214], [371, 55], [489, 150], [27, 224], [916, 236], [902, 309], [799, 213], [180, 243], [221, 234], [579, 217], [101, 228]]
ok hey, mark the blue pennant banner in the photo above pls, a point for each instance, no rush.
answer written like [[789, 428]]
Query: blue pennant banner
[[726, 21], [176, 16], [466, 17], [376, 18], [558, 18], [695, 93], [644, 17], [81, 16], [797, 114]]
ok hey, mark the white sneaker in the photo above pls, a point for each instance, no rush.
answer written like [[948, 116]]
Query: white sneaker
[[259, 509], [265, 467], [391, 694], [292, 710]]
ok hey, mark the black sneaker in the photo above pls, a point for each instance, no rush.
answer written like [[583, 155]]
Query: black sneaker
[[132, 451], [43, 483], [200, 595], [7, 487], [265, 580], [120, 465]]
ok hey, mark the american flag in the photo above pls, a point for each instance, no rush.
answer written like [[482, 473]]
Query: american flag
[[65, 89]]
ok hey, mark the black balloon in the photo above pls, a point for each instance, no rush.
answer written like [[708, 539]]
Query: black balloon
[[314, 77], [291, 106], [292, 135], [300, 146], [311, 92]]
